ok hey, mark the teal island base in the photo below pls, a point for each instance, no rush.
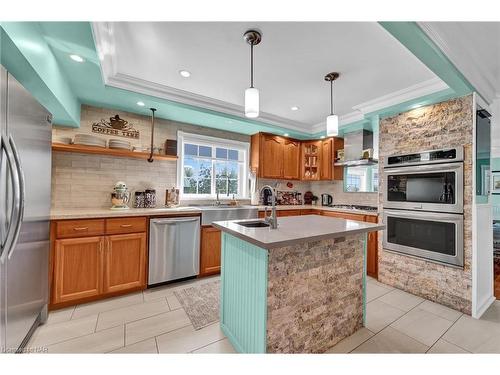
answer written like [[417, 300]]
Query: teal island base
[[301, 298]]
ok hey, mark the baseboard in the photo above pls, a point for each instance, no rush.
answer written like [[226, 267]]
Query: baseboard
[[482, 309]]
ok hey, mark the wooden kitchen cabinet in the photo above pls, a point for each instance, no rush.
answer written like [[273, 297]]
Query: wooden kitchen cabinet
[[310, 163], [291, 159], [125, 262], [210, 251], [276, 157], [78, 264], [87, 267], [272, 156], [329, 148]]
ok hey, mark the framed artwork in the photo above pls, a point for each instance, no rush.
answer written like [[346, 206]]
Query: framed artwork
[[495, 182]]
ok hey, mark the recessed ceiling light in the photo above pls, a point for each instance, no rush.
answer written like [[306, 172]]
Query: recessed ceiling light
[[76, 58], [322, 137], [140, 104], [184, 73], [294, 108], [286, 134]]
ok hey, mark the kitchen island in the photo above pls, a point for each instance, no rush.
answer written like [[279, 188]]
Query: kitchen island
[[299, 288]]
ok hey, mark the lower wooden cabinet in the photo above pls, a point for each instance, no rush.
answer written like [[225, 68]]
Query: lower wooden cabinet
[[210, 250], [86, 268], [78, 265], [125, 262]]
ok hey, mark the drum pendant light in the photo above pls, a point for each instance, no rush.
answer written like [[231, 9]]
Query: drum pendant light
[[332, 121], [253, 38]]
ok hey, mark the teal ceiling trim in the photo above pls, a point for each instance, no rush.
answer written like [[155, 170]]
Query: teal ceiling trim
[[28, 57], [417, 42]]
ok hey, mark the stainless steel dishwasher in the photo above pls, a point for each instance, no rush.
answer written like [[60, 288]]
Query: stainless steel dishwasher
[[174, 249]]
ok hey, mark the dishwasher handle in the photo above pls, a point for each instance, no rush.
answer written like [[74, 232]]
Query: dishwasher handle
[[174, 221]]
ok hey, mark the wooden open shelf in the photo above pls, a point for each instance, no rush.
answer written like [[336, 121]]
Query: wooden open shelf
[[108, 152]]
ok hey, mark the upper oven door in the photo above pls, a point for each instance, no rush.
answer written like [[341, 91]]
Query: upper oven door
[[435, 187]]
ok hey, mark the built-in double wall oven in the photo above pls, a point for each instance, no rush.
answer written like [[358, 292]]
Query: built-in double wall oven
[[423, 205]]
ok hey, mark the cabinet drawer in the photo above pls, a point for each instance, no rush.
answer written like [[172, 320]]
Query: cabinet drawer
[[126, 225], [79, 228]]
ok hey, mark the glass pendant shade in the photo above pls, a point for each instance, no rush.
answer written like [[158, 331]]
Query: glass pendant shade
[[332, 125], [252, 102]]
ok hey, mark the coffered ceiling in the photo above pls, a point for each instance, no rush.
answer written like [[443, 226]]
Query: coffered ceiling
[[376, 70]]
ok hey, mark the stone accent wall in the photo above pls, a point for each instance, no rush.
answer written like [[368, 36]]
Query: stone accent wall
[[85, 181], [446, 124], [314, 295]]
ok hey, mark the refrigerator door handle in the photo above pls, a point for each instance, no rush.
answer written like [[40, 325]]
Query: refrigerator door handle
[[10, 234], [21, 195]]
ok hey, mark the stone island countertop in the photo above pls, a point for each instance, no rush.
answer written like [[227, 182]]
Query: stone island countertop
[[296, 229]]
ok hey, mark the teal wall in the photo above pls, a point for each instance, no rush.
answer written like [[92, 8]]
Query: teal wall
[[495, 199]]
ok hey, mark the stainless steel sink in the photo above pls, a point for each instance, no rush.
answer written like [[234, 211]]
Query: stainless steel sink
[[209, 214], [254, 224]]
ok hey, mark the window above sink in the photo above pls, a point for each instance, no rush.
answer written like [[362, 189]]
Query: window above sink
[[209, 165]]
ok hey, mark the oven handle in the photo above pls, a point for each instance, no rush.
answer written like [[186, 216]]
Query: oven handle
[[433, 216], [446, 167]]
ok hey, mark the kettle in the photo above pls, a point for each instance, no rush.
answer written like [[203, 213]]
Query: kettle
[[326, 199]]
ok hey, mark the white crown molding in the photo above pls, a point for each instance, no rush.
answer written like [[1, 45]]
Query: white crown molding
[[104, 39], [413, 92], [130, 83], [105, 44], [464, 61]]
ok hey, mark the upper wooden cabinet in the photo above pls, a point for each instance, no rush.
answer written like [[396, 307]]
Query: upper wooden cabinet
[[276, 157], [291, 158], [272, 156]]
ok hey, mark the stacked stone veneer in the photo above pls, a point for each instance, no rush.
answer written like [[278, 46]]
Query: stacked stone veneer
[[314, 294], [443, 125]]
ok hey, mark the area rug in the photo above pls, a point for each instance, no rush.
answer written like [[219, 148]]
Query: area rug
[[201, 303]]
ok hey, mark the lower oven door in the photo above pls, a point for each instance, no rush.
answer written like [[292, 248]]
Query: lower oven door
[[437, 237]]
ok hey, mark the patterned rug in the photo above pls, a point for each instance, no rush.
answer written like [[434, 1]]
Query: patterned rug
[[201, 303]]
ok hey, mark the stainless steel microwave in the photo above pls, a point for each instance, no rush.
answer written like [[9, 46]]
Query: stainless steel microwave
[[436, 186]]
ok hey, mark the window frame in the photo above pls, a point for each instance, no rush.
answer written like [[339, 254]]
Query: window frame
[[213, 142]]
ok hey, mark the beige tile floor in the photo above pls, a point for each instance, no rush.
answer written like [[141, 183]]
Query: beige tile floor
[[153, 321]]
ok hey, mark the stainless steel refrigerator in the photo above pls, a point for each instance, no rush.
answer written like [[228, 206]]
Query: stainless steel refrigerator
[[25, 180]]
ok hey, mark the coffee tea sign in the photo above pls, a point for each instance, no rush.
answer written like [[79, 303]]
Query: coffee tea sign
[[116, 127]]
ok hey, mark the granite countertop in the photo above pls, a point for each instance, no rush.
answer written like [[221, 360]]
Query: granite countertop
[[63, 214], [296, 229], [319, 207]]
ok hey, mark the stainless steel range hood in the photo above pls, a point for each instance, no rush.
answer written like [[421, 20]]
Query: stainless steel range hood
[[354, 145]]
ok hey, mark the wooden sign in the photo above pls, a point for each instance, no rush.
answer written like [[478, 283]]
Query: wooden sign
[[115, 127]]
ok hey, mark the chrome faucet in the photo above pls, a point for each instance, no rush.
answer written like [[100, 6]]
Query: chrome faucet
[[273, 219], [217, 201]]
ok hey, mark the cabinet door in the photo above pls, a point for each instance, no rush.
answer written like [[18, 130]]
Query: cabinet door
[[344, 215], [272, 156], [310, 160], [284, 213], [78, 266], [291, 159], [372, 249], [372, 255], [210, 251], [125, 262], [326, 160]]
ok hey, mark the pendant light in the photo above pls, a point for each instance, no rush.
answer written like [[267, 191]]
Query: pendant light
[[253, 38], [332, 121]]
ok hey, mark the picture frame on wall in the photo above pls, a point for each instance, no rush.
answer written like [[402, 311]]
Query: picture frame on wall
[[495, 182]]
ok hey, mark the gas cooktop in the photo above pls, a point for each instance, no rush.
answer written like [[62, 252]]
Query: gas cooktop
[[354, 207]]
